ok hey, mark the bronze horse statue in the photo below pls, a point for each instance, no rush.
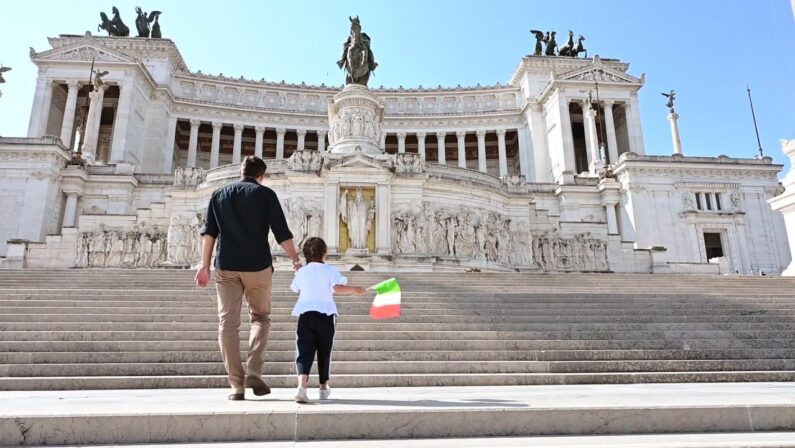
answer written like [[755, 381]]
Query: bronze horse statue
[[573, 51], [114, 27], [357, 57], [568, 49], [580, 48]]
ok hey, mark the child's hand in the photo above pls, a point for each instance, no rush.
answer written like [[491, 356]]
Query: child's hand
[[360, 291]]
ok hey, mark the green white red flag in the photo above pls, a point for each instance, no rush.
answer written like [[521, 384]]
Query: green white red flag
[[386, 304]]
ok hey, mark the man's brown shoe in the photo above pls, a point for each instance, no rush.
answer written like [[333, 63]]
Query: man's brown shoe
[[259, 386], [238, 393]]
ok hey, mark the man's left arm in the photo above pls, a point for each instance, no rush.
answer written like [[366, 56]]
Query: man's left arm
[[281, 230]]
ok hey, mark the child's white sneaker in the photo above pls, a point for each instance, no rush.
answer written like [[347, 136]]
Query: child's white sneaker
[[324, 393], [301, 396]]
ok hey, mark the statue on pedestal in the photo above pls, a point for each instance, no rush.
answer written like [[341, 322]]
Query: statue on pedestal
[[357, 57], [671, 98], [142, 22], [359, 216]]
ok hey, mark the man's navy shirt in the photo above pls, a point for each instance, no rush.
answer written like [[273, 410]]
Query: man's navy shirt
[[240, 215]]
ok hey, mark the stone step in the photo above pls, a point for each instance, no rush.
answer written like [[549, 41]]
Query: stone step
[[438, 319], [389, 335], [411, 310], [163, 416], [403, 367], [391, 326], [393, 380], [406, 355], [703, 440], [410, 345]]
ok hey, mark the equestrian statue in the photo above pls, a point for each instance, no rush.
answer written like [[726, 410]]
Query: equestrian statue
[[357, 57]]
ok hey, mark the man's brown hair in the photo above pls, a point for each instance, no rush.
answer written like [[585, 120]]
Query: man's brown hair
[[254, 166]]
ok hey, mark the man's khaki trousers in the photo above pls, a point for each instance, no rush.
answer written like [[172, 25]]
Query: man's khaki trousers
[[231, 287]]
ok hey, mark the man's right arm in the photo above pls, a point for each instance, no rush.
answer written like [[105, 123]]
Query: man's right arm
[[209, 234]]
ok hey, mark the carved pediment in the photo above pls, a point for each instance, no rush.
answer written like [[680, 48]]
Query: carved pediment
[[598, 71], [83, 52], [357, 160]]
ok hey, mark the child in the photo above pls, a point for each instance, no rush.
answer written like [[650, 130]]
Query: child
[[317, 314]]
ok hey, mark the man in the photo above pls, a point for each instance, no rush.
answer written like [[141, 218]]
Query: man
[[239, 217]]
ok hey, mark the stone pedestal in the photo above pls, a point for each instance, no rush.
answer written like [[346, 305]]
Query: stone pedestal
[[785, 203], [355, 120]]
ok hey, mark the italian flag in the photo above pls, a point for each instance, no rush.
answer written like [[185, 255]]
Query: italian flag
[[386, 304]]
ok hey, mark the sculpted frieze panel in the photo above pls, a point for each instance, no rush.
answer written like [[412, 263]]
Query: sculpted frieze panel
[[553, 252], [460, 232], [306, 160], [184, 240], [305, 219], [142, 247]]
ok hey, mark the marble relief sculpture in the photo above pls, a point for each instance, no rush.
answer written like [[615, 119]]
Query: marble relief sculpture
[[184, 240], [305, 219], [553, 252], [359, 215], [461, 233], [142, 247], [305, 160]]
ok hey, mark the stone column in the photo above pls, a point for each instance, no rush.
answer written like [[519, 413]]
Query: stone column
[[382, 143], [634, 127], [541, 157], [67, 127], [280, 142], [301, 139], [42, 103], [610, 127], [673, 117], [331, 216], [482, 151], [215, 149], [501, 149], [568, 139], [193, 142], [462, 152], [591, 140], [92, 126], [525, 161], [168, 146], [121, 122], [237, 149], [383, 215], [259, 132], [401, 142], [440, 151], [70, 211], [609, 190], [321, 141], [421, 144]]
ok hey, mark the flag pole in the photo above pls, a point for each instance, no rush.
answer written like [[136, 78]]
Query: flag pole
[[88, 105], [756, 128]]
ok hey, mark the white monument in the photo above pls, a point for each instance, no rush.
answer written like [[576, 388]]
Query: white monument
[[499, 177]]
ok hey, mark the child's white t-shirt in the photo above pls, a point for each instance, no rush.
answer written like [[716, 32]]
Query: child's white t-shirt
[[316, 282]]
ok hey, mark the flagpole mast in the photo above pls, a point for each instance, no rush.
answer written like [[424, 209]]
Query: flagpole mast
[[88, 105], [756, 128]]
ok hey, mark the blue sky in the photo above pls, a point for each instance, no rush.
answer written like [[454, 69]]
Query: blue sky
[[708, 50]]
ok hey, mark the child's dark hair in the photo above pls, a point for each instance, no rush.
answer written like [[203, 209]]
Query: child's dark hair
[[314, 250]]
